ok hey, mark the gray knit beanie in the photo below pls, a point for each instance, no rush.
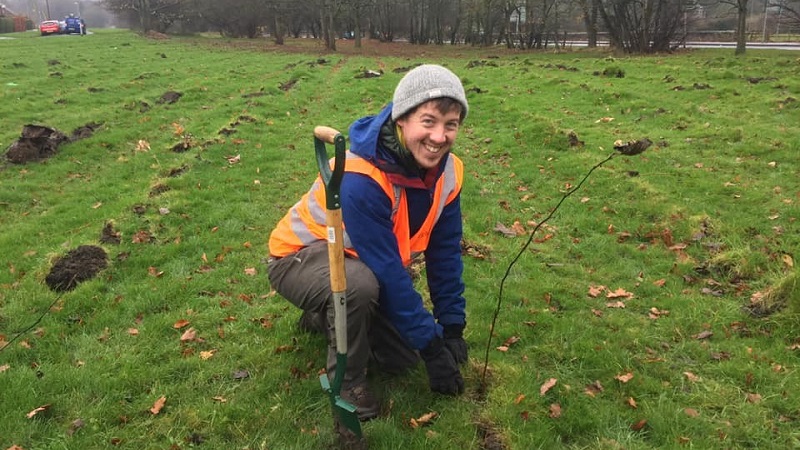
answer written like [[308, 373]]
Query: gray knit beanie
[[427, 82]]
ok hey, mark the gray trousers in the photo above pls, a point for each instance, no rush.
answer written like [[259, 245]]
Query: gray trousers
[[304, 279]]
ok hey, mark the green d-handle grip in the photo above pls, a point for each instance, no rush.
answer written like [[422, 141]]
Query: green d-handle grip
[[331, 178]]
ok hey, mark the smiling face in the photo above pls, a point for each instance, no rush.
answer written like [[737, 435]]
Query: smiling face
[[429, 133]]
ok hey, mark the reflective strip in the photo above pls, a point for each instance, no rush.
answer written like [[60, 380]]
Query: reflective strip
[[448, 186], [317, 212]]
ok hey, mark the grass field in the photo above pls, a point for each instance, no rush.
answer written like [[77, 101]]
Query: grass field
[[657, 308]]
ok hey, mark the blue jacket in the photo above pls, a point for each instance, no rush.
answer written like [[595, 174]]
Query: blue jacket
[[366, 212]]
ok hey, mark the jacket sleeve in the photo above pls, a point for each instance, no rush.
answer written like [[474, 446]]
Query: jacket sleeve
[[445, 267], [366, 212]]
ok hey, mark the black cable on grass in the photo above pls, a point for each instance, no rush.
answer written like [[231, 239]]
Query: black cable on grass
[[516, 258], [29, 328]]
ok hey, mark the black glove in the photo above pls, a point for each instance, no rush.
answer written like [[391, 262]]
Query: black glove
[[454, 340], [443, 373]]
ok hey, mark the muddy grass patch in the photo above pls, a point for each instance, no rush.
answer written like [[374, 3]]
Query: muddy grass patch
[[109, 235], [36, 143], [169, 97], [40, 142], [490, 437], [77, 266]]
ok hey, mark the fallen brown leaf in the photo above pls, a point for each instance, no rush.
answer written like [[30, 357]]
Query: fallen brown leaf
[[158, 405], [703, 335], [423, 420], [594, 388], [594, 291], [36, 411], [691, 377], [624, 378], [555, 411], [753, 398], [189, 335], [547, 385], [619, 293]]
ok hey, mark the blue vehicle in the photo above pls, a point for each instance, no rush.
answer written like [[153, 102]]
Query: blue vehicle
[[74, 25]]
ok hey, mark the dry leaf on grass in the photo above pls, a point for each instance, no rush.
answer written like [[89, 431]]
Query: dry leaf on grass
[[158, 405], [594, 291], [189, 335], [691, 377], [36, 411], [594, 388], [619, 293], [423, 420], [624, 377], [549, 384]]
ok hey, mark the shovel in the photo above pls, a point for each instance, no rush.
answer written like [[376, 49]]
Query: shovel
[[344, 413]]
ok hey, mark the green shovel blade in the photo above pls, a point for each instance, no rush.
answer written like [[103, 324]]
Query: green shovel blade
[[343, 411]]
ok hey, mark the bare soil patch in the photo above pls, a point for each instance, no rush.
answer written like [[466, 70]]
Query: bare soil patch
[[40, 142], [77, 266]]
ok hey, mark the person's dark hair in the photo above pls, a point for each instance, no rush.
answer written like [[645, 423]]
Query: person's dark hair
[[444, 105]]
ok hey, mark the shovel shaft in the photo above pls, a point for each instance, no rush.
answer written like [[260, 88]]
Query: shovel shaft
[[338, 278]]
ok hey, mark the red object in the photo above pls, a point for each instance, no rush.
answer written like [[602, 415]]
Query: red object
[[49, 27]]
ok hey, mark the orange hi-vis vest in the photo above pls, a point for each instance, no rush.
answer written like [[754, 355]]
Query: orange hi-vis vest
[[305, 224]]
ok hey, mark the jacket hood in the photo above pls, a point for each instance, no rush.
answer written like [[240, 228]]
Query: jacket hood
[[365, 136]]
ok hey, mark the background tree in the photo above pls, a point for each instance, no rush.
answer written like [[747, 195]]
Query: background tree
[[155, 15], [387, 19], [740, 6], [590, 8], [643, 26], [788, 20]]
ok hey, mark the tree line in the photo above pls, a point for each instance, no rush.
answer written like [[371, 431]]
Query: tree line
[[633, 26]]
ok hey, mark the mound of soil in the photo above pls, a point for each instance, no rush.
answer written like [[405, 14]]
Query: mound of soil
[[77, 266], [85, 131], [35, 144], [169, 97], [39, 142]]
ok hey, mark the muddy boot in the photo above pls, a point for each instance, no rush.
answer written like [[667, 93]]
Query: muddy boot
[[357, 394]]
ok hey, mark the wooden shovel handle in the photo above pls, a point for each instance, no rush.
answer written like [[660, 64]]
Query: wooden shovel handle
[[325, 134]]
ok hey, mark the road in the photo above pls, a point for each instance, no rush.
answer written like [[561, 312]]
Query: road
[[731, 45]]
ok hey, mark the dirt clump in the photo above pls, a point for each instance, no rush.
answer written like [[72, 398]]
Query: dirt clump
[[169, 97], [109, 235], [85, 131], [77, 266], [36, 143], [39, 142]]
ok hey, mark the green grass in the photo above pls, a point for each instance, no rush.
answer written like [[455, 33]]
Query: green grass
[[706, 218]]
